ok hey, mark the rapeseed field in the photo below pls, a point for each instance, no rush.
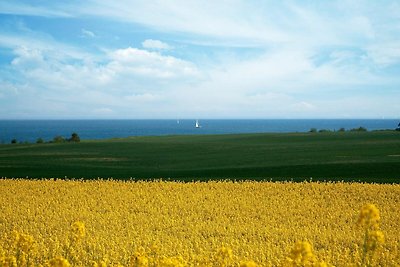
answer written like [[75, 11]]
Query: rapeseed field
[[56, 222]]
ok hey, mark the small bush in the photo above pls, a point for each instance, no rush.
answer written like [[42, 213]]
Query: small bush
[[39, 141], [359, 129], [58, 139], [74, 138], [313, 130], [14, 141], [324, 131]]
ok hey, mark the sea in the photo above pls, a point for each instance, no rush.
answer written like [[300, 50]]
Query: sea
[[31, 130]]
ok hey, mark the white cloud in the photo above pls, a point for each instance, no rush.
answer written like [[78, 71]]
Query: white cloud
[[103, 111], [239, 22], [14, 7], [262, 23], [108, 87], [220, 19], [121, 69], [275, 75], [45, 43], [385, 54], [143, 98], [27, 58], [87, 33], [8, 88], [144, 63], [136, 82], [303, 105], [155, 44]]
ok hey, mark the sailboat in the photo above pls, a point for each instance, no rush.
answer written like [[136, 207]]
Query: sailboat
[[197, 124]]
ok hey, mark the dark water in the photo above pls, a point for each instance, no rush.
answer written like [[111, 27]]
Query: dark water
[[30, 130]]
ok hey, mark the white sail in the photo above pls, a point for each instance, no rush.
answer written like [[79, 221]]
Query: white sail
[[197, 124]]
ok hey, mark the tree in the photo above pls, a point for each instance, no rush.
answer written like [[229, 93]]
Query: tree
[[359, 129], [58, 139], [324, 131], [75, 138]]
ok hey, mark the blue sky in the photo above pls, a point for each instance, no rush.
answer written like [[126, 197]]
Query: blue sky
[[199, 59]]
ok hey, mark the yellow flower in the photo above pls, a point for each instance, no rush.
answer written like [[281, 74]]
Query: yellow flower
[[369, 216], [10, 261], [101, 263], [224, 255], [59, 262], [172, 262], [302, 253], [138, 260], [248, 264], [256, 220], [25, 242], [78, 230], [374, 239]]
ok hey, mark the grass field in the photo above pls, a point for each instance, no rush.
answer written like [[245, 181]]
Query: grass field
[[365, 156]]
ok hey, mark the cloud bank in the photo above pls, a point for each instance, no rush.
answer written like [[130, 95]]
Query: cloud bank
[[240, 59], [155, 44]]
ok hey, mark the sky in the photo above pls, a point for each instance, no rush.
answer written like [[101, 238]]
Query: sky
[[177, 59]]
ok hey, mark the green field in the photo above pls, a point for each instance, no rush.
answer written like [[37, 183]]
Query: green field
[[365, 156]]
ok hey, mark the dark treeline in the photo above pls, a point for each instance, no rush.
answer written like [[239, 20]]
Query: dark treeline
[[359, 129], [57, 139]]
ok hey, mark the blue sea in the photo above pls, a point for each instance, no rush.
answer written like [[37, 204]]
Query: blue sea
[[31, 130]]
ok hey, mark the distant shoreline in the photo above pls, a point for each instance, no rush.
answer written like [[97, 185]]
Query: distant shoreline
[[31, 130]]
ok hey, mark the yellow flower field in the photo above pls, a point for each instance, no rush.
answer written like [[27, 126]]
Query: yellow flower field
[[159, 223]]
